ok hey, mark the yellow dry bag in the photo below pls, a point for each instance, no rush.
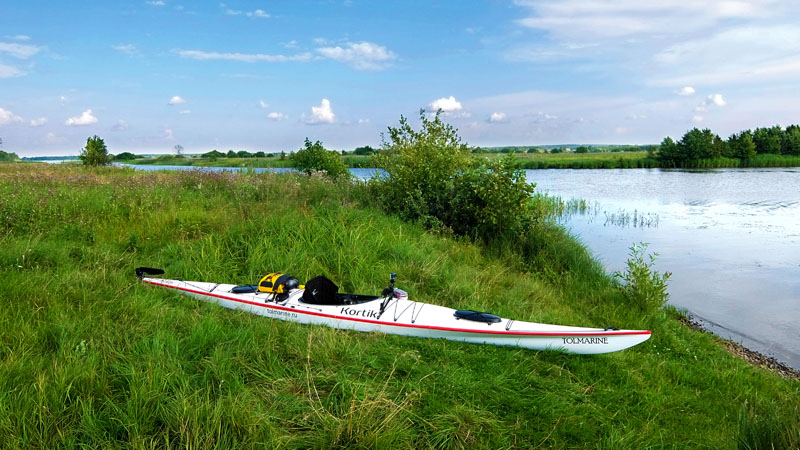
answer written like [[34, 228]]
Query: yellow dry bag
[[278, 283]]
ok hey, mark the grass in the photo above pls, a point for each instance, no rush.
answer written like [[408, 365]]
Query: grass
[[275, 161], [90, 358], [603, 160]]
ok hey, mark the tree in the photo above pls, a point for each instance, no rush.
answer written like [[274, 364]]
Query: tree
[[365, 150], [791, 140], [178, 149], [213, 155], [95, 153], [741, 145], [314, 157], [668, 153], [231, 154], [283, 154], [768, 140], [260, 155], [582, 149], [125, 156], [718, 147], [244, 154], [695, 144]]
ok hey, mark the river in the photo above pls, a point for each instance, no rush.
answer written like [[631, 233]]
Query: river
[[730, 238]]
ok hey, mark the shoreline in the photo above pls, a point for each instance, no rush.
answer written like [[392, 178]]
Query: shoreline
[[753, 357]]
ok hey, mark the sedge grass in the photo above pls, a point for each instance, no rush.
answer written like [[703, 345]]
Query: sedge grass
[[90, 358]]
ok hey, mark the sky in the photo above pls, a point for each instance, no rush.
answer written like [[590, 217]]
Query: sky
[[148, 75]]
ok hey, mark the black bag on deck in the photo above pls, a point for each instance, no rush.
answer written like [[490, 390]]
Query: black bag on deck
[[321, 291]]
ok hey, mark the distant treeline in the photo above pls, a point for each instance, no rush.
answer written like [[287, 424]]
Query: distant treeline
[[564, 148], [8, 157], [758, 148]]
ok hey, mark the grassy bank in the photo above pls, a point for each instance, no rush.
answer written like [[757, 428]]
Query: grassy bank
[[275, 161], [91, 358]]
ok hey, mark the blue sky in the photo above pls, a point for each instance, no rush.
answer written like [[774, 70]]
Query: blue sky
[[149, 75]]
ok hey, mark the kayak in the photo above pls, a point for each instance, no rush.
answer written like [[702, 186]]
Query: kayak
[[393, 313]]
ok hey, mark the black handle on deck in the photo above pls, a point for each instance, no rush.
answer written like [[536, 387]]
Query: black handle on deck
[[142, 271]]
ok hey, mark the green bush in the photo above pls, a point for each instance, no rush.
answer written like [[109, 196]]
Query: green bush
[[641, 285], [433, 178], [314, 157]]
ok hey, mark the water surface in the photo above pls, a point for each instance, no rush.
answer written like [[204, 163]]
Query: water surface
[[730, 237]]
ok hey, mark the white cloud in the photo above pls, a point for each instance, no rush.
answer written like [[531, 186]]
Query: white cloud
[[276, 116], [363, 121], [20, 37], [700, 111], [448, 104], [10, 71], [258, 13], [686, 91], [127, 49], [497, 117], [176, 100], [716, 99], [665, 43], [52, 138], [169, 134], [242, 57], [38, 122], [19, 51], [7, 117], [263, 104], [121, 125], [635, 18], [322, 113], [360, 55], [185, 112], [155, 2], [86, 118]]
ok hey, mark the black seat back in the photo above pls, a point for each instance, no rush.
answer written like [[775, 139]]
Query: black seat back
[[321, 291]]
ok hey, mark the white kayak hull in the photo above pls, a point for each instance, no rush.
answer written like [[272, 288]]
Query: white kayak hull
[[408, 318]]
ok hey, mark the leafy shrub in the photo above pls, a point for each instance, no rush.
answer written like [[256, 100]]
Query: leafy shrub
[[641, 285], [433, 178], [314, 157]]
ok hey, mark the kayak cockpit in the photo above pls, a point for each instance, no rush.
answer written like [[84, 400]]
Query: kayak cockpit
[[476, 316], [245, 289]]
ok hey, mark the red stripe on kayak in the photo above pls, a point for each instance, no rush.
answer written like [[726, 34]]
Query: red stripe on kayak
[[427, 327]]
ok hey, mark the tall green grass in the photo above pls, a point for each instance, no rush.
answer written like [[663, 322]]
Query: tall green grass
[[91, 358]]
